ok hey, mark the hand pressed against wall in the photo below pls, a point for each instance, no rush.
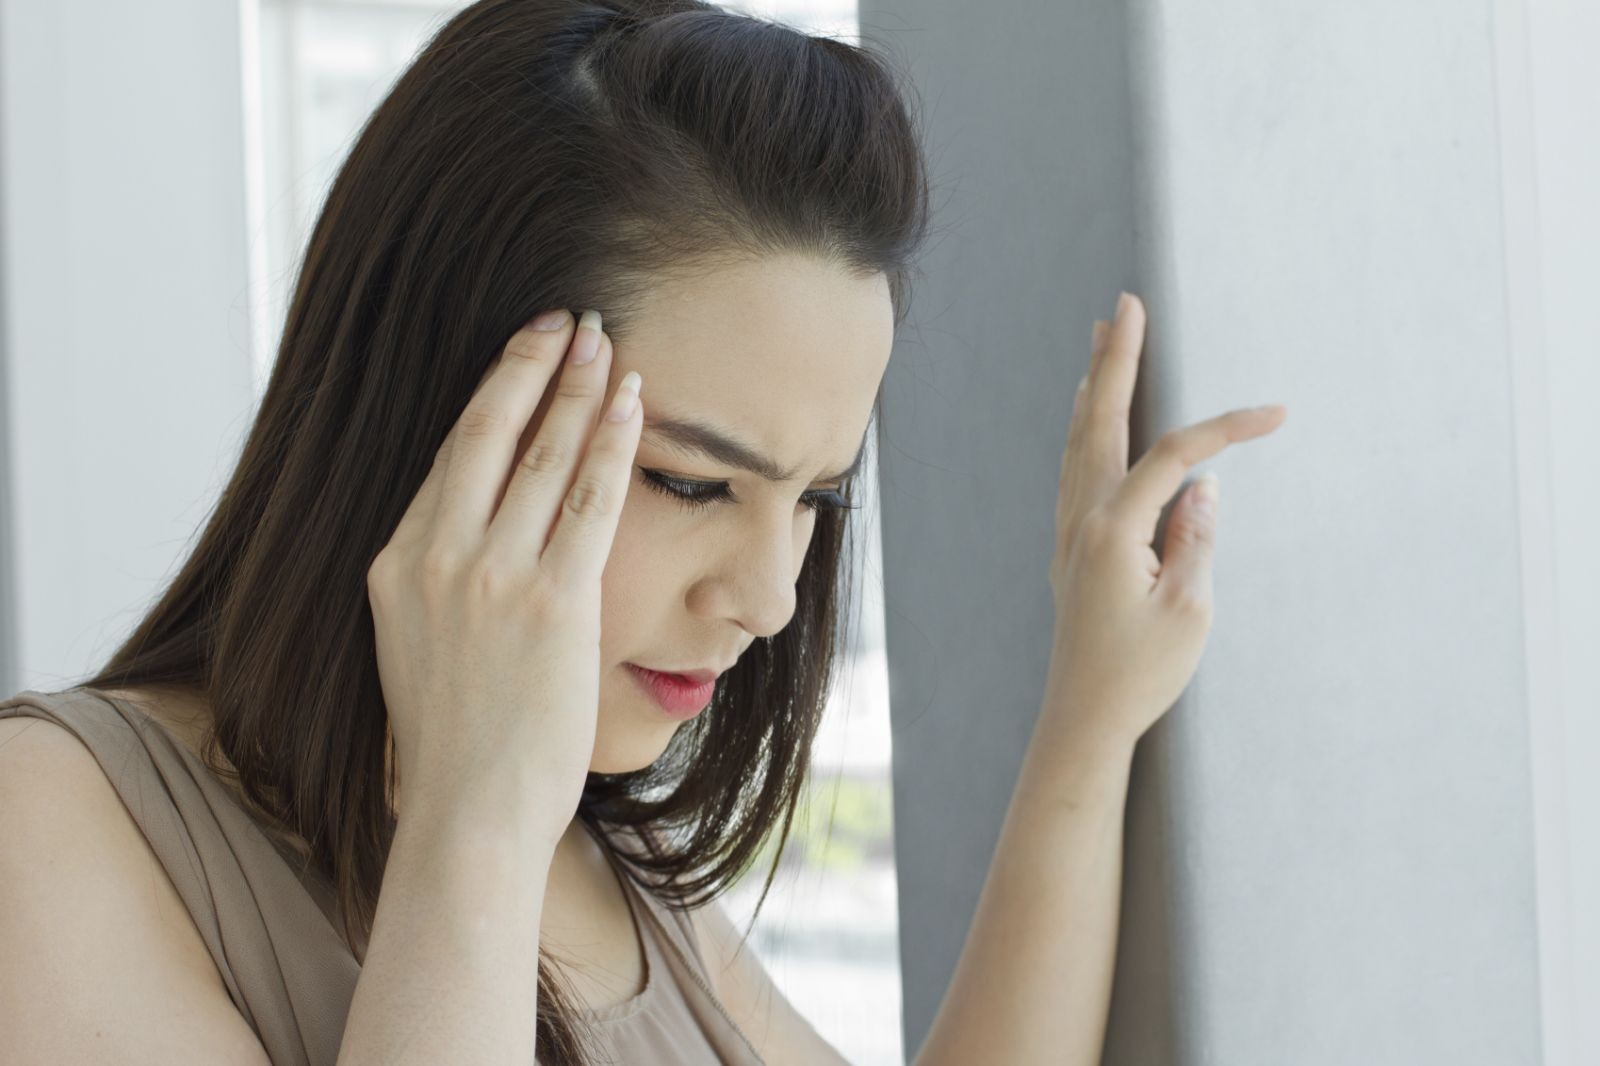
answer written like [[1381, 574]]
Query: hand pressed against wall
[[1130, 627]]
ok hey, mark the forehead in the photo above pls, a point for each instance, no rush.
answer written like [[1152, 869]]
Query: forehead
[[785, 353]]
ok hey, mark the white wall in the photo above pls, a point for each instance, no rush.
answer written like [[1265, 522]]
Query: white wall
[[126, 333], [1550, 106]]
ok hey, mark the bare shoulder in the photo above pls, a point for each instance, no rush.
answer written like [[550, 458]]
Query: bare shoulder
[[780, 1032], [98, 955]]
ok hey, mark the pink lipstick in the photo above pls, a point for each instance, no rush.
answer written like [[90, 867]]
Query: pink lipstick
[[676, 695]]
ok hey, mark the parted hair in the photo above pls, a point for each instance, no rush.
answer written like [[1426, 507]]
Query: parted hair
[[535, 154]]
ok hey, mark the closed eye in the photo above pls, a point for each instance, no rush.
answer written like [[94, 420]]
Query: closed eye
[[695, 495]]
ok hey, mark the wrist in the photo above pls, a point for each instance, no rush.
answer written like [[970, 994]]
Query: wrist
[[1090, 724], [1083, 732], [487, 813]]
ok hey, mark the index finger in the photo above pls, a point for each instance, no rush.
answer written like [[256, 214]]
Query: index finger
[[1156, 477], [422, 511], [1113, 374]]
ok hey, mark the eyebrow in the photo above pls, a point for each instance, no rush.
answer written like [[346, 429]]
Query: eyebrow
[[697, 438]]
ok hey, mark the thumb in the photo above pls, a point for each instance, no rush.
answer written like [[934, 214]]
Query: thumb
[[1190, 542]]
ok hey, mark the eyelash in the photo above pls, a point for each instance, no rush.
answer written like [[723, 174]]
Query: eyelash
[[820, 500]]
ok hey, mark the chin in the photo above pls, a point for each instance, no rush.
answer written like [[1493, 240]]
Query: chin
[[624, 764], [624, 751]]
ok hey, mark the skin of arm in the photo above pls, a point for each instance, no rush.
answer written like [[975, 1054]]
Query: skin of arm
[[1017, 995], [451, 969]]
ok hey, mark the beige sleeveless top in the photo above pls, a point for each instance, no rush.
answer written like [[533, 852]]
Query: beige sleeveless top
[[270, 925]]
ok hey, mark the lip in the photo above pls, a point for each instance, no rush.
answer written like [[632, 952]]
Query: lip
[[697, 677], [679, 696]]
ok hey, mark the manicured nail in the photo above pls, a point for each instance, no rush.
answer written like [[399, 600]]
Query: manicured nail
[[627, 394], [550, 320], [584, 349]]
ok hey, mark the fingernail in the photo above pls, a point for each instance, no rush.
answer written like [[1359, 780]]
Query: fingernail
[[550, 320], [584, 349], [1122, 301], [1207, 491], [627, 393]]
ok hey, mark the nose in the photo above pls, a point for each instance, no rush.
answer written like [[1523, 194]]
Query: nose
[[752, 580]]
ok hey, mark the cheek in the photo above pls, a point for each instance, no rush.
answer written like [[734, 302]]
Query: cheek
[[627, 584], [805, 529]]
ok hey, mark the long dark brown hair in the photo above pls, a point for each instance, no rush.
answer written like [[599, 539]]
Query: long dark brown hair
[[536, 154]]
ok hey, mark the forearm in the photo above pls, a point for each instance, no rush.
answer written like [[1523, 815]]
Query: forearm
[[1033, 982], [451, 969]]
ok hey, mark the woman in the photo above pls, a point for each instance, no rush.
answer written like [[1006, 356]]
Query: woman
[[423, 643]]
